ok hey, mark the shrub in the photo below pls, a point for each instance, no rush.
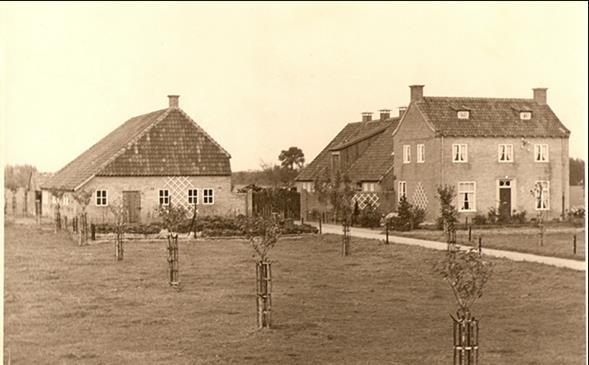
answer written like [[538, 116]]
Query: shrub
[[369, 217], [493, 216], [518, 217], [479, 219], [408, 216]]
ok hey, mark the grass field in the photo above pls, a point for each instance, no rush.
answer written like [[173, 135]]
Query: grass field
[[382, 305], [558, 242]]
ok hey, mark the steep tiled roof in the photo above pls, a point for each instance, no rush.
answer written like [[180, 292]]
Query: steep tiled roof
[[165, 142], [490, 117], [377, 160], [350, 134]]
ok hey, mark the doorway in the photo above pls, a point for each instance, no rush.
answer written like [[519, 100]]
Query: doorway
[[505, 198], [132, 206]]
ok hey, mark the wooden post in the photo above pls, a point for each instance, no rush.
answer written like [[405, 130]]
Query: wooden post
[[470, 233], [466, 223], [93, 232], [264, 294], [387, 232], [574, 244], [480, 245], [346, 240], [119, 251], [38, 210], [320, 227]]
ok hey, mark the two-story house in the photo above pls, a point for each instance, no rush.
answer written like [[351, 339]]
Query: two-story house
[[493, 151]]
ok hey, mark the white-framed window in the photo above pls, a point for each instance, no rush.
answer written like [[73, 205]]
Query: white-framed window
[[505, 153], [463, 114], [407, 153], [459, 153], [208, 196], [402, 191], [101, 198], [467, 196], [368, 186], [542, 195], [525, 115], [541, 153], [309, 186], [192, 196], [420, 153], [164, 197]]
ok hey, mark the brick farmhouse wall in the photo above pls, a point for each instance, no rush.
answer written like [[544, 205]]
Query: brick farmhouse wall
[[226, 202], [482, 167]]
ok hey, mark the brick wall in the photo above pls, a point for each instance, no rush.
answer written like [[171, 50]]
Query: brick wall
[[226, 202]]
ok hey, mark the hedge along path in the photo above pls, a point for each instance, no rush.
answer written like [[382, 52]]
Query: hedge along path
[[434, 245]]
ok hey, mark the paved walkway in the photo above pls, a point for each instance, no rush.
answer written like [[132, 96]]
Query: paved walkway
[[435, 245]]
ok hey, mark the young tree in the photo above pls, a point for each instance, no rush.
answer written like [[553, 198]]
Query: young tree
[[448, 213], [263, 234], [172, 217], [83, 198], [338, 193], [576, 171], [58, 195], [119, 212]]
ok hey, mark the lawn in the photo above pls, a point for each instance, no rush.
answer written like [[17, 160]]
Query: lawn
[[70, 304], [557, 242]]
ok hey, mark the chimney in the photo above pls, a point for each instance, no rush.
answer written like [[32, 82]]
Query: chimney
[[385, 114], [416, 92], [173, 100], [540, 95], [402, 110], [366, 116]]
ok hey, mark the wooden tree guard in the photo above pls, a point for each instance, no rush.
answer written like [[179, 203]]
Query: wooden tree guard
[[264, 293], [119, 251], [541, 233], [173, 259], [466, 340], [93, 232], [574, 244], [451, 239]]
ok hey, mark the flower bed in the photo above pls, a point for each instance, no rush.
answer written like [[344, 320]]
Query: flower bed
[[210, 226]]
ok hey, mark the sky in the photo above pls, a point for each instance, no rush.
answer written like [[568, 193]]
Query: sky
[[261, 77]]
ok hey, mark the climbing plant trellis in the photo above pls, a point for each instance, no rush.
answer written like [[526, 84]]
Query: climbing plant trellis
[[365, 198]]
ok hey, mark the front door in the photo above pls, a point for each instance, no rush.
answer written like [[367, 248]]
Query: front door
[[505, 198], [132, 206]]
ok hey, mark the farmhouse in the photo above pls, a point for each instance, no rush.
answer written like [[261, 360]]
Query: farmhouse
[[150, 160], [362, 151], [494, 152], [502, 154]]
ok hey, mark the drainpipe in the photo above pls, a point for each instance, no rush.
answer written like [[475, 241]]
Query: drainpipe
[[442, 161]]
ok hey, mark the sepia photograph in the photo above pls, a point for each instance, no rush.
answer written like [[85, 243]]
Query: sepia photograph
[[294, 182]]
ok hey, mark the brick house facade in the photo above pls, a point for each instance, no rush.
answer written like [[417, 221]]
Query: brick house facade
[[151, 159], [493, 151]]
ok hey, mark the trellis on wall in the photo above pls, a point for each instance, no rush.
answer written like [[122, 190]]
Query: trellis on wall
[[365, 198], [178, 187], [419, 196]]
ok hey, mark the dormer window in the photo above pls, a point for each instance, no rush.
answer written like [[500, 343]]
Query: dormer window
[[525, 115], [463, 114]]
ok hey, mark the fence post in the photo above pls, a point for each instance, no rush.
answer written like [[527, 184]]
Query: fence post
[[466, 223], [320, 226], [387, 232], [574, 244], [470, 232], [92, 231], [480, 245]]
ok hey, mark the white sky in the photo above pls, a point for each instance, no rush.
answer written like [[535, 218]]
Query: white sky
[[263, 77]]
